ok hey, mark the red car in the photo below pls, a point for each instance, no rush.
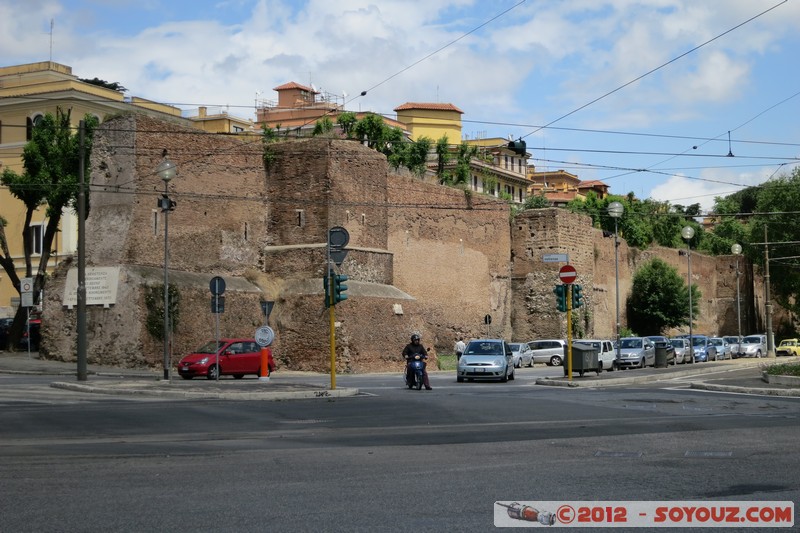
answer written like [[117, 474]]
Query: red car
[[237, 357]]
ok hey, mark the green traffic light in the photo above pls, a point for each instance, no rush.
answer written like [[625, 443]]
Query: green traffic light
[[339, 288]]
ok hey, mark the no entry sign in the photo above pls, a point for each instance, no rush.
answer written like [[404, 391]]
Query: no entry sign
[[567, 274]]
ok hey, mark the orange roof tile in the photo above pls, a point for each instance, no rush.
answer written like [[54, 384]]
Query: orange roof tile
[[294, 85], [429, 106]]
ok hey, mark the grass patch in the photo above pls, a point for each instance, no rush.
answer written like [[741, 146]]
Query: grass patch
[[784, 369], [447, 362]]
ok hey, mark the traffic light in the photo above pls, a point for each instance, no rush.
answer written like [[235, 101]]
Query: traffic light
[[577, 296], [326, 283], [339, 288], [518, 147], [561, 297]]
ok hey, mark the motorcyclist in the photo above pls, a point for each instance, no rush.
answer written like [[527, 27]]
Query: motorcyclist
[[412, 349]]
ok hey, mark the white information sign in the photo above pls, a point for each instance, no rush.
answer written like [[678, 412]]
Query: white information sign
[[264, 336], [555, 258], [101, 286]]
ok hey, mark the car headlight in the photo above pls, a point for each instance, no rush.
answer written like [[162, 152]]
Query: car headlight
[[499, 362]]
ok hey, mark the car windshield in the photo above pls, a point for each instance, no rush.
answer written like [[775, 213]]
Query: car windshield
[[698, 341], [484, 348], [677, 343], [514, 347], [731, 339], [630, 343], [751, 340], [209, 347], [715, 342]]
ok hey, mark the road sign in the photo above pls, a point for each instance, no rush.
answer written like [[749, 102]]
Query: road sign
[[568, 274], [555, 258], [338, 237], [217, 285], [26, 285], [264, 336]]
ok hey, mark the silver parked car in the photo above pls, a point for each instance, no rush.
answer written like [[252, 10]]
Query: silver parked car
[[733, 341], [682, 353], [722, 346], [703, 350], [636, 352], [548, 351], [522, 354], [753, 346], [486, 359]]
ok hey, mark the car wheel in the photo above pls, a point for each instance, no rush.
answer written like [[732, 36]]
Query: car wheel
[[186, 376], [513, 376], [212, 372], [504, 378], [641, 363], [758, 353], [556, 361], [613, 366], [459, 379], [517, 364]]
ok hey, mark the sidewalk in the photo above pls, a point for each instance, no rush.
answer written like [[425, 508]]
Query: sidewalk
[[738, 375], [285, 385]]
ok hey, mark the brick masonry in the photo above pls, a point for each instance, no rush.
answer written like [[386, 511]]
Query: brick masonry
[[423, 258]]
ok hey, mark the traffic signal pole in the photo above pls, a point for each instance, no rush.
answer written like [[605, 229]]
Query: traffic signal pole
[[569, 332], [332, 318]]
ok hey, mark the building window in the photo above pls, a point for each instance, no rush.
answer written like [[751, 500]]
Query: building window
[[301, 217], [37, 236], [237, 129], [506, 161], [31, 123]]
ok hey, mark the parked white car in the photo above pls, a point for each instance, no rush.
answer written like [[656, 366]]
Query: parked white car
[[606, 355]]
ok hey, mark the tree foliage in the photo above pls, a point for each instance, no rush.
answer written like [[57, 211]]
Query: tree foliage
[[659, 299], [113, 85], [51, 163]]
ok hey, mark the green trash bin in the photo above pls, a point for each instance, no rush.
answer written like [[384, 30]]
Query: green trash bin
[[661, 356], [584, 359]]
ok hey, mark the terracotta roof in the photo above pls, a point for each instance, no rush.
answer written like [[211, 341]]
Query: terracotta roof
[[592, 183], [294, 85], [428, 105]]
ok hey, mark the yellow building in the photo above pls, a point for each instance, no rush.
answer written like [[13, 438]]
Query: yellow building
[[27, 93], [431, 120]]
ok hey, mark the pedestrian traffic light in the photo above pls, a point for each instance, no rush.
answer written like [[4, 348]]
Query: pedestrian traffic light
[[577, 296], [326, 282], [561, 297], [339, 288]]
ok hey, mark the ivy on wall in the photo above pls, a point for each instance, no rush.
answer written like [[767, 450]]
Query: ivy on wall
[[154, 300]]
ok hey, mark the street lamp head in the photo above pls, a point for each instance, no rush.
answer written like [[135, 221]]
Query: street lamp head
[[167, 170], [736, 249], [615, 209], [687, 233]]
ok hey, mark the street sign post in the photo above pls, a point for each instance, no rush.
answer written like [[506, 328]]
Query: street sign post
[[568, 274]]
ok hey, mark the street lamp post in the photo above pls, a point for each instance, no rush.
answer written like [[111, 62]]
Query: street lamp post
[[687, 233], [166, 171], [736, 249], [615, 210]]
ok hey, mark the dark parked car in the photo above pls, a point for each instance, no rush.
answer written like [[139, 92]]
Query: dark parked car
[[237, 357], [5, 325], [33, 331], [663, 342]]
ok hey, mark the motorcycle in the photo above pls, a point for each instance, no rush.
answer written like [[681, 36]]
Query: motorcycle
[[414, 372]]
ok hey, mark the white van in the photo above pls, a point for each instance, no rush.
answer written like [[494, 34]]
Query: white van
[[606, 355]]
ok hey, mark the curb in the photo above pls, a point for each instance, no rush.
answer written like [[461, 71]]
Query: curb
[[745, 390], [612, 382], [263, 395]]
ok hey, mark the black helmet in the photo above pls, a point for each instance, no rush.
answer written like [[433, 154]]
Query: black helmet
[[414, 337]]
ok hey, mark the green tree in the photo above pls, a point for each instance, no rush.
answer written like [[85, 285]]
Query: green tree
[[536, 201], [443, 158], [51, 163], [347, 121], [659, 299], [322, 126], [778, 200], [113, 85]]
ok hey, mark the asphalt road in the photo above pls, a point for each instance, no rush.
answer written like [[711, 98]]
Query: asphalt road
[[389, 459]]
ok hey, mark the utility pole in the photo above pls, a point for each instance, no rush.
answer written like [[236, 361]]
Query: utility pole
[[767, 302]]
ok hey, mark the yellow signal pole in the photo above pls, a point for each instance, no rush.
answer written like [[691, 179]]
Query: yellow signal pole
[[332, 317], [569, 332]]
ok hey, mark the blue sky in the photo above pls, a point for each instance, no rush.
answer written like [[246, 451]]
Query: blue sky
[[511, 74]]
